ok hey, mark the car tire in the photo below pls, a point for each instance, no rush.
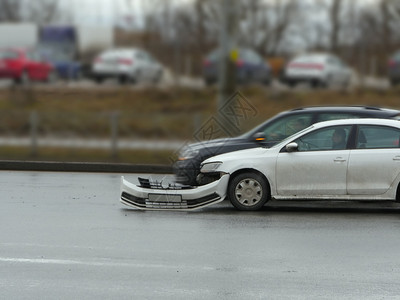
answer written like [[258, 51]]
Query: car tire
[[209, 82], [51, 77], [248, 191], [123, 79], [24, 79], [157, 78], [99, 79], [316, 83], [291, 83]]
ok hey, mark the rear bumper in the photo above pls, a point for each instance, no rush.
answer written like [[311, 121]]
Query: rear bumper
[[173, 199], [394, 74], [9, 74]]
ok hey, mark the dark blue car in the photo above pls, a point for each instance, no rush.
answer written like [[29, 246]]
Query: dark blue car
[[58, 45], [250, 67], [66, 67]]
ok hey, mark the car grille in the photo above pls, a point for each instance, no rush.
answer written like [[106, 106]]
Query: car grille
[[143, 203]]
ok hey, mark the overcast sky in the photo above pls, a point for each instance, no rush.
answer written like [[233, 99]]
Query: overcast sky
[[98, 12], [109, 12]]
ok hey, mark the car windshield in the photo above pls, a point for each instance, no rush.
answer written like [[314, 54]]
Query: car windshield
[[310, 59], [8, 55], [294, 136], [57, 52]]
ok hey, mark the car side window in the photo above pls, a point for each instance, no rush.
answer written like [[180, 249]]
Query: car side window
[[33, 55], [336, 116], [375, 137], [140, 55], [8, 55], [331, 138], [251, 57], [287, 126]]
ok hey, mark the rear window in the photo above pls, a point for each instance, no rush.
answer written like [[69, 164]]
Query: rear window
[[8, 55], [310, 59], [374, 137]]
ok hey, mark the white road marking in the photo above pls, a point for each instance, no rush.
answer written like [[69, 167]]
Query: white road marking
[[104, 263]]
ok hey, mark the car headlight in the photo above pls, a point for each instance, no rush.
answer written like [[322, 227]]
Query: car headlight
[[210, 167], [188, 154]]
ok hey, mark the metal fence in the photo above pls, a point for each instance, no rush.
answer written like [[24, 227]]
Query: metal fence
[[113, 130]]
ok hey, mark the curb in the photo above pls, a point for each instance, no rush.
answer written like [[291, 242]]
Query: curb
[[83, 167]]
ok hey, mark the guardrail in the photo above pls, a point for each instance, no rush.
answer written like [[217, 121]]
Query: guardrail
[[105, 130]]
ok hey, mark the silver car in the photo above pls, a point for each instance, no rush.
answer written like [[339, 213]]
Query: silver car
[[319, 70], [126, 65]]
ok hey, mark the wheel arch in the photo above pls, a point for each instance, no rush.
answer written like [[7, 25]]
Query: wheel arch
[[251, 170], [398, 192]]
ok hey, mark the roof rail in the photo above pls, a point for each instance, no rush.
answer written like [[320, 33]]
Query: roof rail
[[342, 106], [367, 107]]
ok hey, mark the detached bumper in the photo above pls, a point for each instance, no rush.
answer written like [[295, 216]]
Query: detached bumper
[[173, 198]]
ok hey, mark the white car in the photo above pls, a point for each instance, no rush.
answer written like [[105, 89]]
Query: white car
[[127, 65], [352, 159], [318, 70]]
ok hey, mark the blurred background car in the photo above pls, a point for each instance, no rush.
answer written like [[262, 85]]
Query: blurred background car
[[58, 45], [127, 65], [318, 69], [394, 69], [24, 66], [250, 67]]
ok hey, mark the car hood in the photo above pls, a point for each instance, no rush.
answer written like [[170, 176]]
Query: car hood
[[66, 64], [217, 143], [243, 155]]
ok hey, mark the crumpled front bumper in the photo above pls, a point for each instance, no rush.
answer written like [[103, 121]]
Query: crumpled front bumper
[[173, 199]]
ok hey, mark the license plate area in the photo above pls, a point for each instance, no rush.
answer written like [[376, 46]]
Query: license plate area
[[165, 198]]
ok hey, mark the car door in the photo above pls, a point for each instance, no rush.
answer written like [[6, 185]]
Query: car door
[[375, 163], [335, 75], [317, 167], [153, 67], [42, 65], [31, 65]]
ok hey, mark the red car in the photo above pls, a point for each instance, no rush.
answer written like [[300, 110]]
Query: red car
[[24, 65]]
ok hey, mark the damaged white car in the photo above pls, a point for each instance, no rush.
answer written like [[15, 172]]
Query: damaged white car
[[354, 159]]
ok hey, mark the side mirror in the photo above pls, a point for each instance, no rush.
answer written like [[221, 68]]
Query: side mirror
[[292, 147], [259, 137]]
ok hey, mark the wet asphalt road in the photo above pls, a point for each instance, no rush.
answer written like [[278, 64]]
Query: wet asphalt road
[[66, 236]]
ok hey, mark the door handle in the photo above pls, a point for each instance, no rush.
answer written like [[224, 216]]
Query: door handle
[[341, 159], [396, 157]]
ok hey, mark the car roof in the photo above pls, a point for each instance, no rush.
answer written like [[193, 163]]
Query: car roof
[[18, 50], [122, 51], [353, 108], [312, 57], [365, 111]]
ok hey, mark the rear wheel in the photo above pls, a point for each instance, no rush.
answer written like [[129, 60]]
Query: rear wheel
[[99, 79], [123, 79], [248, 191], [157, 78]]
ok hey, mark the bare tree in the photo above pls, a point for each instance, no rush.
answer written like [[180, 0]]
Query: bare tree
[[38, 11], [265, 24], [335, 20], [10, 10]]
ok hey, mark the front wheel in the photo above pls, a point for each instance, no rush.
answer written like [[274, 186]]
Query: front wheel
[[51, 77], [248, 191]]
